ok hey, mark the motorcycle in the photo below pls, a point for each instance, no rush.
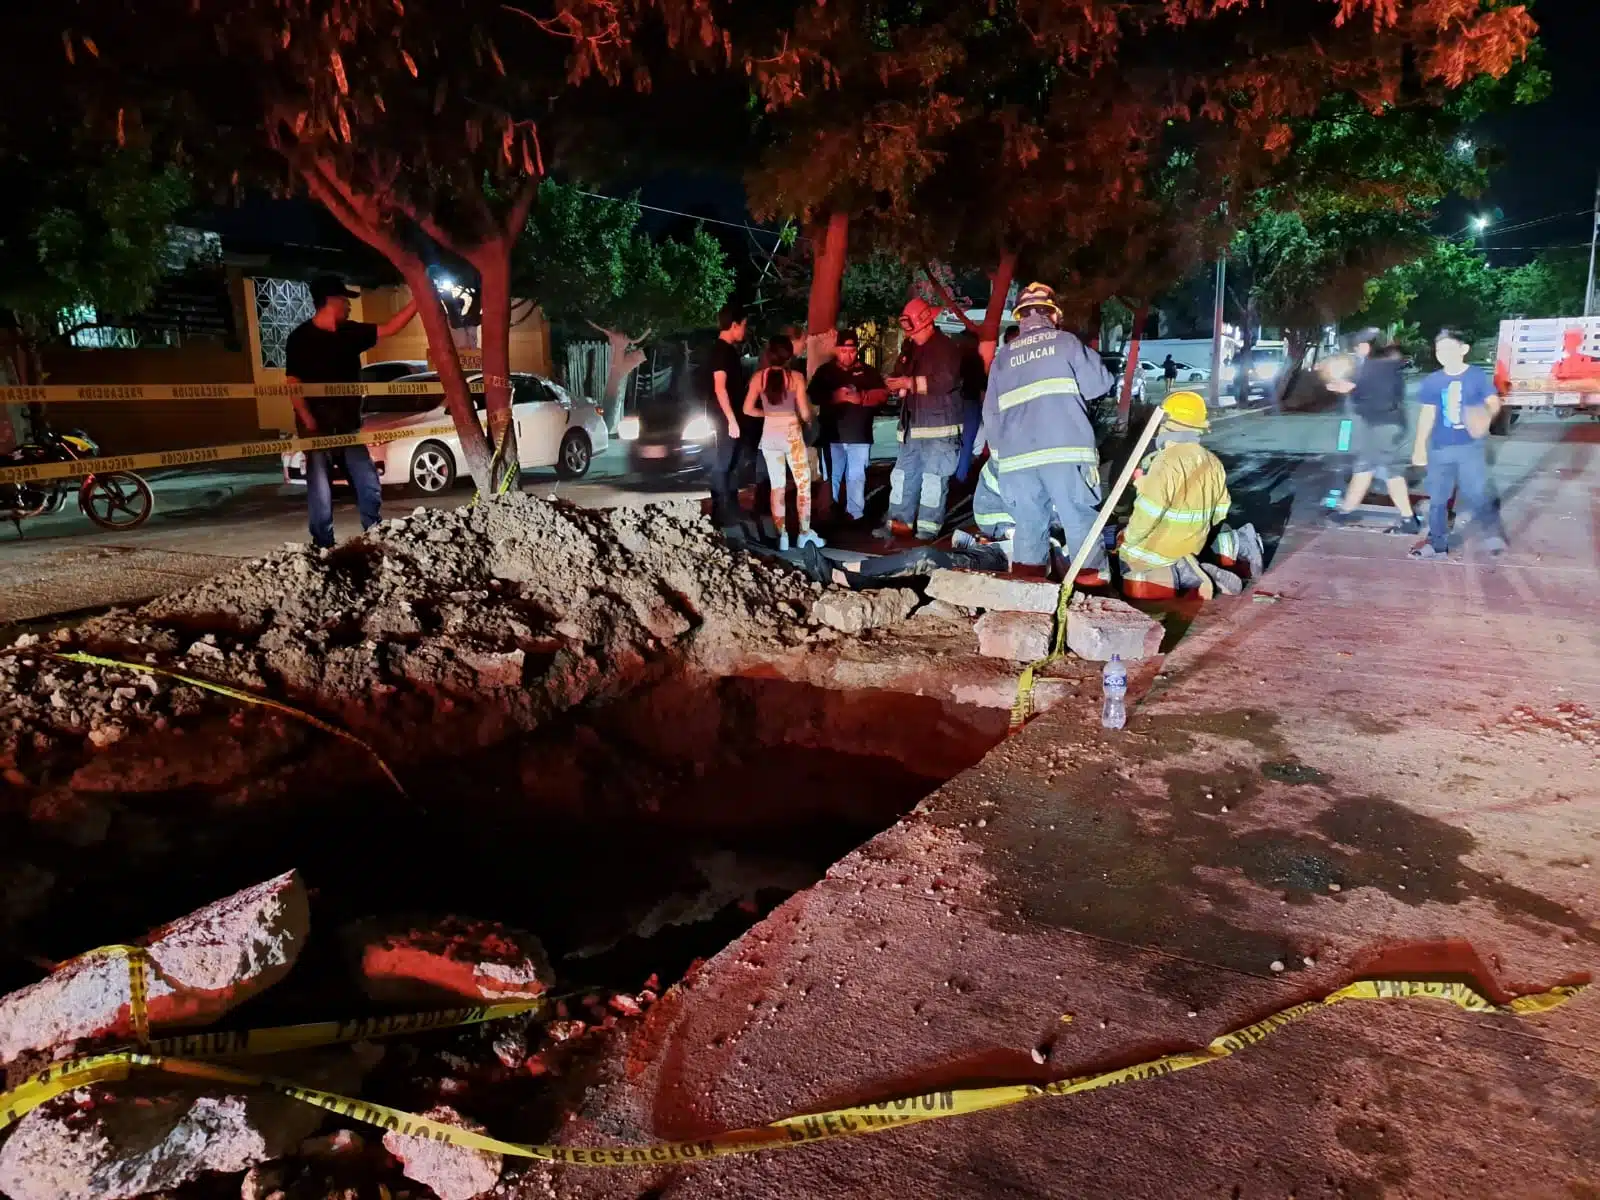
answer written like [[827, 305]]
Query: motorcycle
[[111, 499]]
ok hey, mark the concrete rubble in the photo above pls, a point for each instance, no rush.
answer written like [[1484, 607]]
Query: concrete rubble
[[978, 589], [853, 612], [452, 1172], [447, 962], [1020, 637], [1100, 626], [201, 966]]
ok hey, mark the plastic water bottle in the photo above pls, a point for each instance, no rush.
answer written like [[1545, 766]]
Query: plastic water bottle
[[1114, 686]]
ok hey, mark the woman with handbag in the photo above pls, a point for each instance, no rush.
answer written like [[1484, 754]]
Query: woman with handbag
[[778, 394]]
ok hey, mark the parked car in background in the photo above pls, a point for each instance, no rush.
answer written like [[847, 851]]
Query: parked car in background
[[1115, 363], [391, 369], [552, 429], [1155, 372]]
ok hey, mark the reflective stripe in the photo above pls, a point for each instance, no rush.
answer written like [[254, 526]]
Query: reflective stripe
[[1082, 455], [931, 528], [1144, 556], [1187, 516], [936, 431], [1061, 385], [988, 474], [993, 518]]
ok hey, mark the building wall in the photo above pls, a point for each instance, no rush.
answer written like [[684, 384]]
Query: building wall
[[530, 337]]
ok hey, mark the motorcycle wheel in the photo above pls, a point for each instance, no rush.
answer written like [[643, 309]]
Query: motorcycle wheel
[[117, 500]]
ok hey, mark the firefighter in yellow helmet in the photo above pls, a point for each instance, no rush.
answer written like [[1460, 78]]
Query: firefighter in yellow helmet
[[1182, 497]]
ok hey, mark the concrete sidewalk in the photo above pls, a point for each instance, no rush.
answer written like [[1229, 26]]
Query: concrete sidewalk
[[1370, 767]]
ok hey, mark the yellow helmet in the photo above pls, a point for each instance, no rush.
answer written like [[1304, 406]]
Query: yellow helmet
[[1038, 297], [1186, 408]]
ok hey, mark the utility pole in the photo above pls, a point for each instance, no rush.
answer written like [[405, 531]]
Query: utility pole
[[1214, 391], [1594, 238]]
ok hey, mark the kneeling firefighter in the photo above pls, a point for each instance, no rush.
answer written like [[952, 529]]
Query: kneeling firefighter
[[1041, 440]]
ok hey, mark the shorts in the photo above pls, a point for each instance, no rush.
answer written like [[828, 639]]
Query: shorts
[[1380, 450]]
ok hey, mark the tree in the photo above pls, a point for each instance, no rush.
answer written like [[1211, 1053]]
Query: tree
[[402, 119], [586, 261], [1450, 285], [1551, 285]]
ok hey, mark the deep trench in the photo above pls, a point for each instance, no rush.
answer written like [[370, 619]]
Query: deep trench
[[632, 838]]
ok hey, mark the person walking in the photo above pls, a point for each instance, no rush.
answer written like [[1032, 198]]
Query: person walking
[[777, 396], [725, 385], [848, 393], [1459, 403], [1375, 399], [1169, 371], [1036, 423], [328, 349], [930, 425]]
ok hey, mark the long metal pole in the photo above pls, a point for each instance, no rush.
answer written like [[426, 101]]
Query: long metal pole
[[1214, 391], [1594, 239]]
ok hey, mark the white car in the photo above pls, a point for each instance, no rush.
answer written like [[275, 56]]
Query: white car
[[553, 430], [1156, 372]]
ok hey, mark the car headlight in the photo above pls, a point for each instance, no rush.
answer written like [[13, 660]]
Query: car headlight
[[628, 429], [699, 429], [1265, 371]]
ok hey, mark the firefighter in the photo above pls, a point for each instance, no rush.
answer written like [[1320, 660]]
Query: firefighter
[[929, 384], [1041, 440], [1182, 496]]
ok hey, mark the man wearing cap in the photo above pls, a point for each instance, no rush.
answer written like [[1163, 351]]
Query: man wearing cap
[[1041, 440], [328, 349], [930, 425], [847, 392], [1182, 495]]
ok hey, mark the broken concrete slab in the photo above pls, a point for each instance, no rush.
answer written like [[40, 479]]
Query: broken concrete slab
[[446, 961], [977, 589], [1100, 626], [853, 612], [201, 966], [1020, 637], [101, 1143], [453, 1172]]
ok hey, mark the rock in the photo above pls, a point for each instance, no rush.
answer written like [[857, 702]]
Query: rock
[[204, 965], [447, 962], [97, 1143], [852, 612], [939, 610], [976, 589], [453, 1172], [1100, 626], [1020, 637]]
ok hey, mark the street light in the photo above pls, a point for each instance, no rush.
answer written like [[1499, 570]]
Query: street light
[[1479, 223]]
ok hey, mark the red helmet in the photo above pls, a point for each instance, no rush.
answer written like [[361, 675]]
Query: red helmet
[[917, 315]]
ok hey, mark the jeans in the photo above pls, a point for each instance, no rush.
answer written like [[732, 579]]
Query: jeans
[[1462, 470], [971, 419], [920, 483], [319, 490], [726, 467], [849, 474], [1073, 491]]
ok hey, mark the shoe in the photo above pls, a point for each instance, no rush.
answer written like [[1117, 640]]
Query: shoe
[[1225, 582], [783, 542], [1090, 577], [809, 538], [893, 529], [1343, 518], [1425, 550], [1496, 546], [1406, 526]]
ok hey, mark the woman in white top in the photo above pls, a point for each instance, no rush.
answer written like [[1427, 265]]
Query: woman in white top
[[779, 395]]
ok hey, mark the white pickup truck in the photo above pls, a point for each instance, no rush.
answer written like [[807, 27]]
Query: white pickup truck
[[1550, 363]]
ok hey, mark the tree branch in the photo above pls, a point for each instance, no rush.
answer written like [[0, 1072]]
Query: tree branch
[[517, 216], [950, 301]]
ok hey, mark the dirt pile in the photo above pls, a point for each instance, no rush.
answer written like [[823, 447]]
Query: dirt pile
[[440, 630]]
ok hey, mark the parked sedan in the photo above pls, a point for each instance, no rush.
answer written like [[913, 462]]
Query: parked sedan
[[553, 430]]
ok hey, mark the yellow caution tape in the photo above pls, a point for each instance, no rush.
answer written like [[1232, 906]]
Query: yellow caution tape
[[101, 393], [206, 454], [139, 966], [239, 694], [789, 1131]]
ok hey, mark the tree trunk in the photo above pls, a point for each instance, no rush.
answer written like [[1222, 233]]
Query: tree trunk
[[828, 258], [626, 356], [1141, 314], [994, 313], [457, 395], [493, 261]]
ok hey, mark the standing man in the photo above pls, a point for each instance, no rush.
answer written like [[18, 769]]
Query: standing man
[[1036, 421], [1376, 398], [847, 392], [1459, 404], [726, 381], [1169, 371], [328, 349], [930, 424]]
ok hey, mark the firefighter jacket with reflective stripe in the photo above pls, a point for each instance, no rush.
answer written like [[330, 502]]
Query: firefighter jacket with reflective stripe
[[988, 502], [1035, 411], [1183, 495], [937, 413]]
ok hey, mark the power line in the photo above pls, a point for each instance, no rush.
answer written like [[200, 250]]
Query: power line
[[673, 212]]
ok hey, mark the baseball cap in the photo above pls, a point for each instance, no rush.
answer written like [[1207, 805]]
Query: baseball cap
[[325, 286]]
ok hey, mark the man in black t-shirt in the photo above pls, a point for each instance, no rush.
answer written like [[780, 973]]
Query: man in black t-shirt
[[328, 349], [737, 433], [848, 392]]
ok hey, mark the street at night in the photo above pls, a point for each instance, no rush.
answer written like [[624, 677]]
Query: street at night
[[679, 598]]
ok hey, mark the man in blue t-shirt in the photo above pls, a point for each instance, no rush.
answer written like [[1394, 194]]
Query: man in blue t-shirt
[[1458, 404]]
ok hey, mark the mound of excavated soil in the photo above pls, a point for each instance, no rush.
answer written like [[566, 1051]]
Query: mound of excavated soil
[[432, 630]]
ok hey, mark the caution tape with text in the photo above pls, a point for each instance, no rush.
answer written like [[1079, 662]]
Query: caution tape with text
[[207, 454], [102, 393], [787, 1132]]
